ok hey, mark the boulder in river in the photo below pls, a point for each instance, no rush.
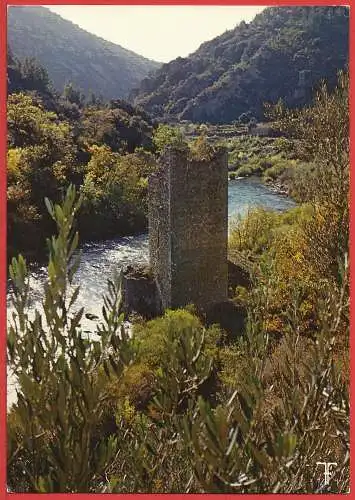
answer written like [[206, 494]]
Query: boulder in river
[[140, 292]]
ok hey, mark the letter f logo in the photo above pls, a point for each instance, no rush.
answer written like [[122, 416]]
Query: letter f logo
[[327, 470]]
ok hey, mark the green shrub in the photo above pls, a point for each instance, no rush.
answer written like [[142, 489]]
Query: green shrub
[[244, 171], [278, 406], [265, 164], [150, 338], [166, 135], [59, 403], [266, 435], [137, 386]]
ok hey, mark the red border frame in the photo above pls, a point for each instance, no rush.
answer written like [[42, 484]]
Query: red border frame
[[3, 265]]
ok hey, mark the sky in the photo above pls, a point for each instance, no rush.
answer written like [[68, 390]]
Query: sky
[[157, 32]]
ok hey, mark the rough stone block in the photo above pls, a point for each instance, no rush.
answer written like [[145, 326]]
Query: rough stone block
[[188, 228]]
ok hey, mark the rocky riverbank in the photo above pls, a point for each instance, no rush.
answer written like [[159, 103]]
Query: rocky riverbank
[[277, 187]]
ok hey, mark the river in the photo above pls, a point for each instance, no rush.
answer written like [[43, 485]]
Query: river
[[100, 260]]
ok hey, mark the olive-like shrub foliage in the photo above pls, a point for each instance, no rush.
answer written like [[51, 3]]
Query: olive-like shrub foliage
[[51, 440], [262, 429]]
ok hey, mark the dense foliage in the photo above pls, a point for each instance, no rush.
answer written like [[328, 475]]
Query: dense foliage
[[307, 244], [55, 140], [179, 407], [323, 133], [235, 73], [70, 53], [273, 159]]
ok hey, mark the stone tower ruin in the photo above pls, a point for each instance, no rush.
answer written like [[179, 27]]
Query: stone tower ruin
[[303, 89], [188, 229]]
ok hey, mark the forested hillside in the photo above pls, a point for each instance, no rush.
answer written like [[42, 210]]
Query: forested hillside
[[54, 140], [71, 54], [282, 53]]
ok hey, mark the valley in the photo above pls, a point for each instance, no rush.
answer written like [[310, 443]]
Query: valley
[[213, 188]]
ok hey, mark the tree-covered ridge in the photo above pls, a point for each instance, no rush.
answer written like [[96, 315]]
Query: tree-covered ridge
[[70, 53], [253, 63]]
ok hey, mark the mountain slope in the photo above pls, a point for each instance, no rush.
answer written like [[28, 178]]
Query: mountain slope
[[71, 54], [281, 53]]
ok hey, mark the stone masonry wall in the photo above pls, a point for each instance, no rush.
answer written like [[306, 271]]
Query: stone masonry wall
[[188, 229], [159, 231]]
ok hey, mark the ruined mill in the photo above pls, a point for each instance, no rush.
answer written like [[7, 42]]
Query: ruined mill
[[188, 236], [188, 229]]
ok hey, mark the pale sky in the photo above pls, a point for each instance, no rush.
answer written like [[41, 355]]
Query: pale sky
[[161, 33]]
